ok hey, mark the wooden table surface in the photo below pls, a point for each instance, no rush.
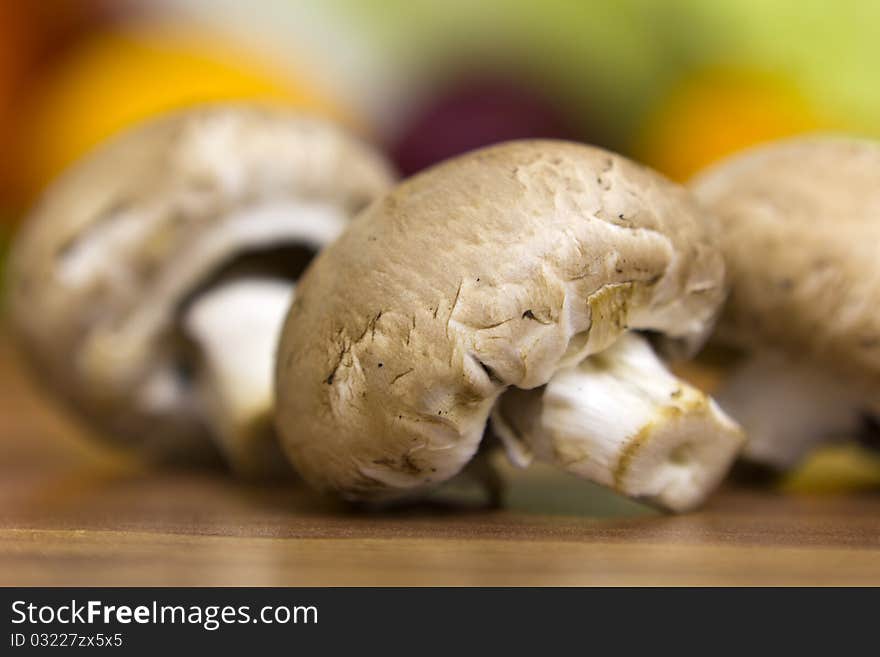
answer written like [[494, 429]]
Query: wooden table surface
[[74, 514]]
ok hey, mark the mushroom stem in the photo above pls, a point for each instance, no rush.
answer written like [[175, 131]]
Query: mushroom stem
[[621, 419], [788, 408], [236, 327]]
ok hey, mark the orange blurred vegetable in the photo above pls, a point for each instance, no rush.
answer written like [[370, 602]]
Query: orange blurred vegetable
[[718, 112], [16, 48], [32, 35]]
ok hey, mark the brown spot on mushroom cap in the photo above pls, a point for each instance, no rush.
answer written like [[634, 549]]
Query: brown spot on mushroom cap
[[800, 228], [503, 256], [120, 241]]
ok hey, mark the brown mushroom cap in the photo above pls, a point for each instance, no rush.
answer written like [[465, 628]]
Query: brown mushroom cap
[[115, 247], [491, 270], [800, 226]]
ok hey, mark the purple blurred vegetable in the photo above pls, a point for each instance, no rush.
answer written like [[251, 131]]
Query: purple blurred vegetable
[[472, 113]]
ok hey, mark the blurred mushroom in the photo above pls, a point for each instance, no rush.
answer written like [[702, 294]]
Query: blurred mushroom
[[149, 284], [800, 222], [500, 270]]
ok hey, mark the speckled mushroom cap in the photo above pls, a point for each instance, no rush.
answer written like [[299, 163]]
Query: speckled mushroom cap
[[117, 245], [800, 226], [491, 270]]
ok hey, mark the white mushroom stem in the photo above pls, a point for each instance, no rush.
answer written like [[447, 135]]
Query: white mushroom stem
[[236, 326], [621, 419], [788, 408]]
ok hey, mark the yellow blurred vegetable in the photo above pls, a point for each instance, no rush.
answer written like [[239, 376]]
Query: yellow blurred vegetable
[[116, 79], [836, 469]]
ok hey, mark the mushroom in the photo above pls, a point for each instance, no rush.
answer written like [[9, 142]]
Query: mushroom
[[149, 285], [499, 270], [621, 419], [800, 226]]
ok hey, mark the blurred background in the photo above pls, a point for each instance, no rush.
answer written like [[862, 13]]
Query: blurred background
[[676, 84]]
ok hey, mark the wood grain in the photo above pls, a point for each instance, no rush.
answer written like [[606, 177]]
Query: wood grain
[[72, 513]]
